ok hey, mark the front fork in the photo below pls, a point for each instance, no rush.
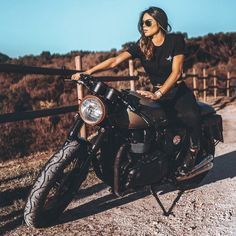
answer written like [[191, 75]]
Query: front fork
[[74, 135], [91, 149], [74, 130]]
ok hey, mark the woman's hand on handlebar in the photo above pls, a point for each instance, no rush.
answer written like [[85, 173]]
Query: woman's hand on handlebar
[[77, 76], [148, 94]]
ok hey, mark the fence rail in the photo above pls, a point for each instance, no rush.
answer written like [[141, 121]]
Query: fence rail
[[10, 68], [28, 115], [64, 73], [205, 88], [198, 88]]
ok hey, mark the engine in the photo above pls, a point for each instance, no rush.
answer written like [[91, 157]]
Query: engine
[[145, 163], [139, 158], [145, 170], [141, 140]]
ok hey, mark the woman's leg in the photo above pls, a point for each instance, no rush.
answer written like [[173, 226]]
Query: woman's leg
[[188, 112]]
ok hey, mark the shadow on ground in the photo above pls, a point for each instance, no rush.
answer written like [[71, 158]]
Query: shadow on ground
[[224, 168], [14, 217]]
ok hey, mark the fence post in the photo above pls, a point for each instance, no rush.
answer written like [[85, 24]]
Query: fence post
[[131, 73], [195, 83], [228, 84], [80, 92], [204, 85], [215, 84]]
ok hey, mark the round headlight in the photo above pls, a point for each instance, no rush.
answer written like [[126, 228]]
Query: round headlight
[[92, 110]]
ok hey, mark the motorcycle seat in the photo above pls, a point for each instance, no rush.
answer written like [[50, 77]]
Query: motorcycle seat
[[205, 109]]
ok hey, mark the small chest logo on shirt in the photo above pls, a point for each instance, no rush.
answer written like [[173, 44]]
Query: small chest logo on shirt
[[169, 58]]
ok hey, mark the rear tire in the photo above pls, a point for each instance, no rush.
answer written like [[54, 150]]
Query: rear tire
[[55, 186]]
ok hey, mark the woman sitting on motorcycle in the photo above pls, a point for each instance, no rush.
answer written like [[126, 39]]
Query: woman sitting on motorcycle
[[162, 55]]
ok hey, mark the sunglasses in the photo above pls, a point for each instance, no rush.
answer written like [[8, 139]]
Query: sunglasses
[[147, 23]]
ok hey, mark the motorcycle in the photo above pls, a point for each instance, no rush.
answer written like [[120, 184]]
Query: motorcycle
[[136, 146]]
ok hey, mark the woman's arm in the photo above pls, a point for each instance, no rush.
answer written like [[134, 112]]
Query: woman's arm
[[177, 66], [105, 65]]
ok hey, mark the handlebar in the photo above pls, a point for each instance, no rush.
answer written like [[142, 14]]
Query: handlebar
[[89, 80], [85, 80]]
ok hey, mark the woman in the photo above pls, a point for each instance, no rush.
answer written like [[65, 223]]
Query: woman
[[162, 56]]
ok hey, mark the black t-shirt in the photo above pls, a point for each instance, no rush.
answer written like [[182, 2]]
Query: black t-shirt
[[160, 66]]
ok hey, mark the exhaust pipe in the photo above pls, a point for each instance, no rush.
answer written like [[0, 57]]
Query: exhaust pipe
[[203, 163], [200, 168]]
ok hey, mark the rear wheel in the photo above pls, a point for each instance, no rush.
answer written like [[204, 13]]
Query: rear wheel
[[56, 184]]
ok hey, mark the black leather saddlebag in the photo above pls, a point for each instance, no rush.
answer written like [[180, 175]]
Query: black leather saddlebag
[[213, 127]]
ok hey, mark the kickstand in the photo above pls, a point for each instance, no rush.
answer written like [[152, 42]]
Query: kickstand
[[158, 201], [166, 213]]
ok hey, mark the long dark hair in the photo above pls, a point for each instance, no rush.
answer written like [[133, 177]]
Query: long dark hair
[[145, 43]]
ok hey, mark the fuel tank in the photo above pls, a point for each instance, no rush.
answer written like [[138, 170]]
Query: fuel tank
[[150, 109]]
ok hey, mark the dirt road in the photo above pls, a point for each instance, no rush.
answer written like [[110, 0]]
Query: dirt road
[[209, 209]]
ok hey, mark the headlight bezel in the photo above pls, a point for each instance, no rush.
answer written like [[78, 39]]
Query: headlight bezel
[[104, 110]]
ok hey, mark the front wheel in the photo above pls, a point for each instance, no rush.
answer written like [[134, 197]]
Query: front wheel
[[55, 186]]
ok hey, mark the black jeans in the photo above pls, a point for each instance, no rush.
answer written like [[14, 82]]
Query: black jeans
[[181, 102]]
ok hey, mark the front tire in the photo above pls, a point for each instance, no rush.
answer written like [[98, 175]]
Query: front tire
[[55, 186]]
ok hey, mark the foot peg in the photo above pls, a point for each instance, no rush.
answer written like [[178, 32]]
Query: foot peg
[[203, 166]]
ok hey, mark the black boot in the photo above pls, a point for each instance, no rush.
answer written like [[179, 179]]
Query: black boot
[[188, 163]]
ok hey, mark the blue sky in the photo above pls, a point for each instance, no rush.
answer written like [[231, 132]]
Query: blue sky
[[60, 26]]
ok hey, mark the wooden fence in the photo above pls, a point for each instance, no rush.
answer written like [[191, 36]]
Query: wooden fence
[[63, 73], [201, 87], [212, 84]]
